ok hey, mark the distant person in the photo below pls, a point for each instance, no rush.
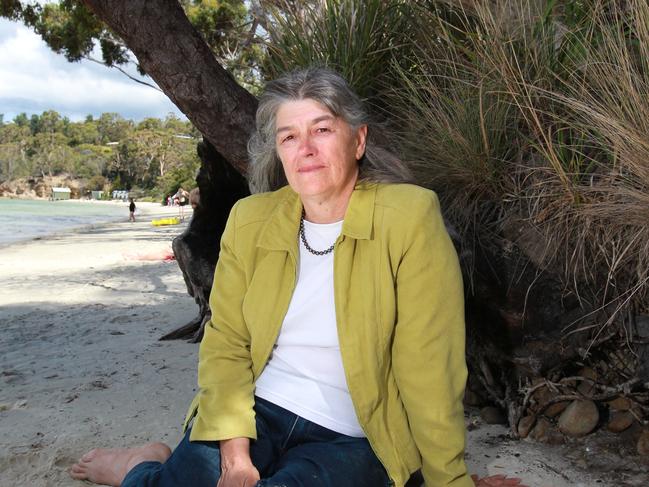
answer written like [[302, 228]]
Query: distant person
[[131, 211], [181, 198]]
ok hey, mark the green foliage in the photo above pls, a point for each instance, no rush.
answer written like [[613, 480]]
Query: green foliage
[[182, 175], [21, 120], [113, 127], [108, 150], [360, 39], [69, 28], [96, 183]]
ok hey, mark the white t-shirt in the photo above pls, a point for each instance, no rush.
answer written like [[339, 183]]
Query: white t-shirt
[[305, 372]]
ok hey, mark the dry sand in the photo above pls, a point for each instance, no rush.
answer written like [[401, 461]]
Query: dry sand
[[81, 365]]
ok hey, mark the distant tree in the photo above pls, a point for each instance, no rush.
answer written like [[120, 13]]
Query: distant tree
[[96, 183], [178, 126], [50, 121], [181, 175], [112, 127], [13, 132], [21, 120], [83, 133], [13, 161], [35, 123], [91, 160], [15, 140], [150, 123], [50, 153]]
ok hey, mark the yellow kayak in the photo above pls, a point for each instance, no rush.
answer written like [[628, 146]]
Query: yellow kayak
[[165, 221]]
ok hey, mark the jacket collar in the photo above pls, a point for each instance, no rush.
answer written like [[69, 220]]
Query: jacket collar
[[281, 229]]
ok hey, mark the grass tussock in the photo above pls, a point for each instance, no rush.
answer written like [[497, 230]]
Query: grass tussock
[[529, 117], [538, 112]]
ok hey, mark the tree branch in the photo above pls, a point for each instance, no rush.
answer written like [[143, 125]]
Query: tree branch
[[132, 78]]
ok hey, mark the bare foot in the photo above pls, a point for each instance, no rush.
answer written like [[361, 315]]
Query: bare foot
[[110, 466]]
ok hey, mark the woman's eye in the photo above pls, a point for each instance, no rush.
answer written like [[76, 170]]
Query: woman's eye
[[321, 130], [287, 138]]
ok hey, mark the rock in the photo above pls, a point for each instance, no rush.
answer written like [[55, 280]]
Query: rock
[[555, 409], [585, 387], [493, 415], [620, 420], [545, 432], [544, 395], [643, 444], [42, 190], [525, 426], [540, 430], [620, 404], [579, 418]]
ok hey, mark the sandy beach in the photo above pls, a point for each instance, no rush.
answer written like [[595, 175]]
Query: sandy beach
[[81, 365]]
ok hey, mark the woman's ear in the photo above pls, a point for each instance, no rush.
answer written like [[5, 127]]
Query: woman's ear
[[361, 139]]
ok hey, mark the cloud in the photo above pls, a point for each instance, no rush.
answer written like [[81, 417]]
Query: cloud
[[34, 79]]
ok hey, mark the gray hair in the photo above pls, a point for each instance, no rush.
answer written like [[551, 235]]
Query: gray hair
[[331, 90]]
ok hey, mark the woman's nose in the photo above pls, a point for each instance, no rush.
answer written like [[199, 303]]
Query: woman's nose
[[306, 147]]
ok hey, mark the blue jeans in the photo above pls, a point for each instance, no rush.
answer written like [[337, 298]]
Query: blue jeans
[[290, 451]]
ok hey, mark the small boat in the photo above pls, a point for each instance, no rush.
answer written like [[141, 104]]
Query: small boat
[[165, 221]]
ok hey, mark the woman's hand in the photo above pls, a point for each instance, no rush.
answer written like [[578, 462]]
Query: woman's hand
[[237, 469], [497, 481]]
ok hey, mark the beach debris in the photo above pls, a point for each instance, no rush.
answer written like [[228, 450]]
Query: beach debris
[[160, 222], [163, 255]]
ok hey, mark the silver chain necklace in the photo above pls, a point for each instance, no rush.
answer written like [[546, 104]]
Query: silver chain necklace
[[306, 244]]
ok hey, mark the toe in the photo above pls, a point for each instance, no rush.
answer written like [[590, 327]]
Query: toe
[[90, 455], [78, 473]]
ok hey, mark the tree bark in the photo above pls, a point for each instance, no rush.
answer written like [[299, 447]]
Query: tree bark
[[197, 248], [175, 55]]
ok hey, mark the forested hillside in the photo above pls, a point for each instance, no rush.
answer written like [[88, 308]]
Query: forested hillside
[[153, 157]]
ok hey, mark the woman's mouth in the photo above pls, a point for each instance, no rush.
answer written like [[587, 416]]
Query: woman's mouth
[[310, 168]]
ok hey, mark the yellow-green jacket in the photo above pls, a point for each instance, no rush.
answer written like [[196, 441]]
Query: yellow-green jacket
[[400, 317]]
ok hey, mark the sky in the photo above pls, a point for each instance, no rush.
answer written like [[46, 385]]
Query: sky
[[33, 79]]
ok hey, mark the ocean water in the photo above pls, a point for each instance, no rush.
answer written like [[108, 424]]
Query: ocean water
[[27, 219]]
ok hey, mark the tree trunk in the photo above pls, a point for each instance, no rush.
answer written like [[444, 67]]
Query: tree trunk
[[175, 55], [197, 248]]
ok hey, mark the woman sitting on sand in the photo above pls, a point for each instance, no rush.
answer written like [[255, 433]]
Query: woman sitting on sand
[[335, 352]]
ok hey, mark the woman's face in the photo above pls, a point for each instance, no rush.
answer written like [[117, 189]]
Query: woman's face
[[319, 152]]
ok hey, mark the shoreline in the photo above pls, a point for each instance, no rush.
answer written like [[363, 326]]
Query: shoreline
[[145, 209]]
